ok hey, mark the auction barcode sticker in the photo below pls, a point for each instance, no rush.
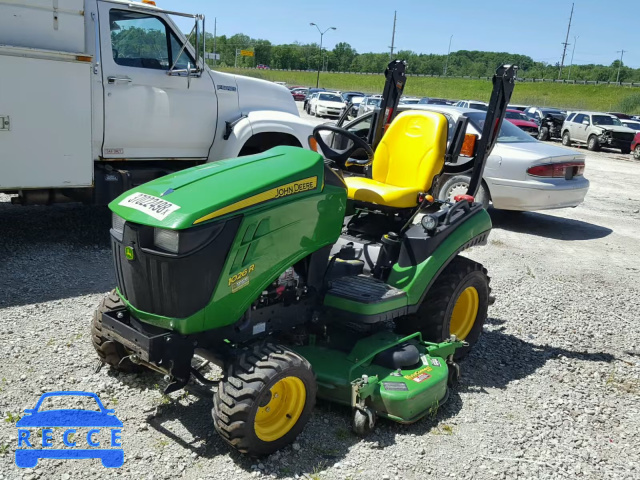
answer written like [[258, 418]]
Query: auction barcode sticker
[[153, 206]]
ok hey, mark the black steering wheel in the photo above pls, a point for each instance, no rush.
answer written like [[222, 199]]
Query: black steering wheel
[[343, 157]]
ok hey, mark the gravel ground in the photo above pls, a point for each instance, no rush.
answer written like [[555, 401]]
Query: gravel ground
[[550, 391]]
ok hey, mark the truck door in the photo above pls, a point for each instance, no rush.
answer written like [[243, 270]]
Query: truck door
[[149, 114]]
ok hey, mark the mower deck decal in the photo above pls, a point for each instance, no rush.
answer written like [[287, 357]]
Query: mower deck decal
[[292, 188], [152, 206]]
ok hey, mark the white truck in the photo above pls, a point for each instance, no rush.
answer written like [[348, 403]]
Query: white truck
[[98, 96]]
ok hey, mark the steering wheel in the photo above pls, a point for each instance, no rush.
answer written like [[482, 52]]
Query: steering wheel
[[343, 157]]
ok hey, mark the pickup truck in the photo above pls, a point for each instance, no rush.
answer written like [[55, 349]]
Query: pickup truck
[[98, 96]]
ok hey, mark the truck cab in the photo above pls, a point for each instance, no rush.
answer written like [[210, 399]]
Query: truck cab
[[99, 96]]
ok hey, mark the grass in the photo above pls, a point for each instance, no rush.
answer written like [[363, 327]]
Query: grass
[[583, 97], [11, 418]]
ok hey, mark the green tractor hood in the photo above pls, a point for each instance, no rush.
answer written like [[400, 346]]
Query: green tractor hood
[[214, 190]]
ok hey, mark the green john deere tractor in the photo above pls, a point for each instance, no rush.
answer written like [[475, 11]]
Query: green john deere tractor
[[301, 281]]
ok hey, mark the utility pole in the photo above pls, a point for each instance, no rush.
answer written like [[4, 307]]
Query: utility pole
[[621, 52], [566, 42], [575, 40], [320, 60], [446, 65], [236, 65], [393, 36], [215, 21]]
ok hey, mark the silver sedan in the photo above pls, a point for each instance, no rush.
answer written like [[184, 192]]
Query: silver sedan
[[521, 173]]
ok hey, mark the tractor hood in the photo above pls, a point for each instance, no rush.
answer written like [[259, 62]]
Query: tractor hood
[[226, 187]]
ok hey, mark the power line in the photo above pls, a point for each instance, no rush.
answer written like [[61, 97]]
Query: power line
[[566, 42]]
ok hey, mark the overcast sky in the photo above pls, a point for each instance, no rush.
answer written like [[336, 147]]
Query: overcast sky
[[536, 27]]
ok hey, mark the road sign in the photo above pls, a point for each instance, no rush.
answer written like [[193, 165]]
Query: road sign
[[246, 53], [212, 56]]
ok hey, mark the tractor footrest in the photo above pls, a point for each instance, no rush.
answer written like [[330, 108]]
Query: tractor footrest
[[364, 289]]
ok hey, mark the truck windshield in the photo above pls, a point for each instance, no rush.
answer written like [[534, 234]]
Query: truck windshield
[[606, 120]]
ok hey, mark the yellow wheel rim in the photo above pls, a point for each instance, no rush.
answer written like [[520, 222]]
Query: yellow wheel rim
[[464, 313], [285, 406]]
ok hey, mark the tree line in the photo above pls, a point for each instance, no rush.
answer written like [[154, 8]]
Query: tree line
[[344, 58]]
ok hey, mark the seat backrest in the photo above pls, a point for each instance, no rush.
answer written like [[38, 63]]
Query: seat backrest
[[412, 151]]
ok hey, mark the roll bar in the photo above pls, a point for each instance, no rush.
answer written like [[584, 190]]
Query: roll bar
[[503, 83], [393, 88]]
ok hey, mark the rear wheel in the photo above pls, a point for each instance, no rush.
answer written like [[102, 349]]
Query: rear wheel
[[566, 139], [456, 304], [636, 152], [593, 144], [112, 353], [458, 185], [265, 399]]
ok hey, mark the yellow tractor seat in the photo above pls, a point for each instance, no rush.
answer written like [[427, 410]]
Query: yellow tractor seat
[[409, 156]]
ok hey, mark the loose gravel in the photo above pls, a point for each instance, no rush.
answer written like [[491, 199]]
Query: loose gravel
[[551, 391]]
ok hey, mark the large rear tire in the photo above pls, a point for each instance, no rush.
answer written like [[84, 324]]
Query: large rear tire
[[456, 304], [265, 400], [112, 353]]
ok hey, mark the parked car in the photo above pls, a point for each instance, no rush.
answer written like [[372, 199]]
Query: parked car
[[305, 105], [299, 94], [635, 145], [521, 108], [347, 96], [597, 130], [355, 105], [434, 101], [474, 104], [369, 103], [521, 121], [521, 173], [263, 67], [549, 121], [326, 104], [409, 100], [621, 116], [632, 124]]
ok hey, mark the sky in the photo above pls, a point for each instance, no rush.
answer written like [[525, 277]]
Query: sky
[[536, 27]]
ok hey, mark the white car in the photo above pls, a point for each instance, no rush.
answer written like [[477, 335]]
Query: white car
[[632, 124], [369, 103], [521, 173], [326, 104], [474, 104]]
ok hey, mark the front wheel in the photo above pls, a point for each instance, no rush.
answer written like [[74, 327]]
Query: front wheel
[[458, 185], [456, 304], [566, 139], [625, 151], [593, 145], [543, 134], [265, 400], [112, 353], [636, 152]]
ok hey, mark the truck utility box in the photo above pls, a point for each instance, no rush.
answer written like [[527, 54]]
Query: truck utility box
[[99, 96], [44, 24]]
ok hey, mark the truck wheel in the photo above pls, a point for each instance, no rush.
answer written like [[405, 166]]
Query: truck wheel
[[636, 152], [458, 185], [265, 400], [625, 151], [593, 144], [112, 353], [543, 134], [566, 139], [456, 304]]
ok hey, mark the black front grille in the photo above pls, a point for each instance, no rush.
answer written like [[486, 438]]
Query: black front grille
[[627, 137], [174, 286]]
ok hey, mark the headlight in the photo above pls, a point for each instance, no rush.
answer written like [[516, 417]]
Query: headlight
[[117, 225], [429, 222], [168, 240]]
